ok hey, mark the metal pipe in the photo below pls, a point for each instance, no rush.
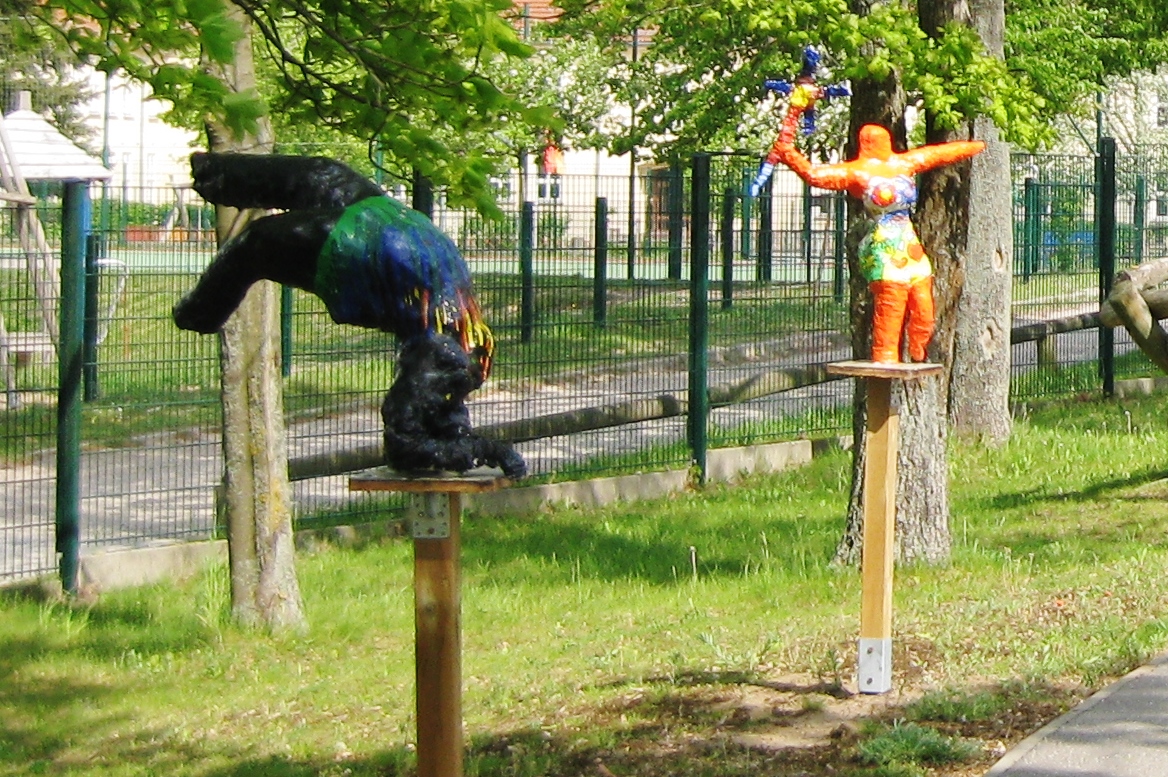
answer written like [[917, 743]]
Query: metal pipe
[[285, 330], [676, 196], [699, 332], [839, 254], [766, 235], [1031, 228], [527, 272], [600, 265], [91, 389], [1105, 223], [807, 235], [75, 226], [727, 230], [1139, 216]]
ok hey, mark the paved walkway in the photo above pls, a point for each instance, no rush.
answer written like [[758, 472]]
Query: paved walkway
[[1122, 731]]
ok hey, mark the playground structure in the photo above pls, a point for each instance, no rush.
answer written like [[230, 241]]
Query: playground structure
[[1138, 304], [31, 149]]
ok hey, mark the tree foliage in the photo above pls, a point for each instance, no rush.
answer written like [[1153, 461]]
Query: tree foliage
[[1071, 48], [568, 78], [698, 85], [704, 69], [46, 67], [391, 71]]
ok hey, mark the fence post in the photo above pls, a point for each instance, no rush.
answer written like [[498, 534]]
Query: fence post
[[75, 225], [285, 330], [676, 196], [839, 253], [91, 388], [1105, 224], [631, 248], [699, 333], [422, 197], [747, 214], [1139, 213], [766, 236], [727, 230], [1031, 228], [600, 265], [806, 230], [526, 272]]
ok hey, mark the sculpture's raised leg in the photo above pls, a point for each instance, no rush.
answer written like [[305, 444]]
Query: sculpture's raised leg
[[282, 248]]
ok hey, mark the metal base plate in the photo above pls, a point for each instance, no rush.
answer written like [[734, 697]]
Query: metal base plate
[[875, 665], [430, 516]]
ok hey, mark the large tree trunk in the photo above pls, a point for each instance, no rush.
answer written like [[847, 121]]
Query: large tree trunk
[[258, 495], [922, 499], [979, 382], [880, 103]]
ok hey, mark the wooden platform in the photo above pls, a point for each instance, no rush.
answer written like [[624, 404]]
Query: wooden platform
[[891, 370], [471, 482]]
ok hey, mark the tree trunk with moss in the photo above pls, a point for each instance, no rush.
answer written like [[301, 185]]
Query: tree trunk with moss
[[257, 495]]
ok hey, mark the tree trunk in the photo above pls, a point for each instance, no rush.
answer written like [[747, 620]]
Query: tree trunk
[[922, 497], [979, 383], [880, 103], [971, 291], [258, 495]]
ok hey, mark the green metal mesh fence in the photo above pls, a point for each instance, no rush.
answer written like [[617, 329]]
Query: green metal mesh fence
[[591, 306], [1056, 272], [778, 302]]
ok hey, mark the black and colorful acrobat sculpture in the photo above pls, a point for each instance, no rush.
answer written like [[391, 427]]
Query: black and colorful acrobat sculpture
[[374, 263]]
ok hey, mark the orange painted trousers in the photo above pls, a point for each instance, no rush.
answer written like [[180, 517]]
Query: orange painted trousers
[[893, 303]]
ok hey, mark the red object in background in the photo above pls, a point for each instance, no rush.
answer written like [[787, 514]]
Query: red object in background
[[552, 162]]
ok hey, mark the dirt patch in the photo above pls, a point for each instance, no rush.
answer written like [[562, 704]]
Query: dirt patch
[[795, 725]]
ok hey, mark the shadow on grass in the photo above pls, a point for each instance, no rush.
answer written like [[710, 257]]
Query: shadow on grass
[[532, 753], [681, 726], [42, 712], [55, 703], [1100, 490], [1068, 523], [567, 547]]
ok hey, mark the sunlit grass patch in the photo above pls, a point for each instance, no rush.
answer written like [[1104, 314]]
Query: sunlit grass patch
[[622, 635]]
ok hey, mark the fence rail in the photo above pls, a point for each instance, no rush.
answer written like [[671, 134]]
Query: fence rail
[[608, 321]]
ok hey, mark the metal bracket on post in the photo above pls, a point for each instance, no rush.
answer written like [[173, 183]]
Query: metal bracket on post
[[430, 516], [875, 665]]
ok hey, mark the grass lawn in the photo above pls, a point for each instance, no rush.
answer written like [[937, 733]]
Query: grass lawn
[[705, 634]]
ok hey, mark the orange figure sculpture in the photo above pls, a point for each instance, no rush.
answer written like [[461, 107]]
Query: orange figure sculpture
[[892, 258]]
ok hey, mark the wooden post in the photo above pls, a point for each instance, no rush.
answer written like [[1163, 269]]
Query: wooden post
[[879, 542], [435, 524], [437, 633]]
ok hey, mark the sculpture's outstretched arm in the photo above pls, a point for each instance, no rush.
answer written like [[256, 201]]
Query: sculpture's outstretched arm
[[833, 177], [925, 158]]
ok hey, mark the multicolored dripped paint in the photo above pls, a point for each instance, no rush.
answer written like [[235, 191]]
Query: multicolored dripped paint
[[386, 266]]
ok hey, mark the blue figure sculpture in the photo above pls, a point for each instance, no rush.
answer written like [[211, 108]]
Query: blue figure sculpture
[[803, 93]]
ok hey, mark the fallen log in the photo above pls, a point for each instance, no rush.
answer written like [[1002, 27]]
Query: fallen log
[[1127, 301]]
